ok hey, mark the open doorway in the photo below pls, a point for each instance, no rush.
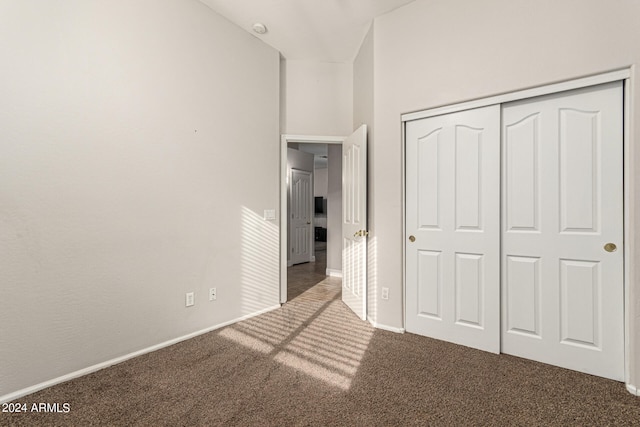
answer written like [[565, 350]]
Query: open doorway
[[351, 241], [322, 157], [314, 215]]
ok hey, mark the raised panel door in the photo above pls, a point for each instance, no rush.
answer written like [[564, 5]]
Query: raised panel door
[[452, 227], [562, 203]]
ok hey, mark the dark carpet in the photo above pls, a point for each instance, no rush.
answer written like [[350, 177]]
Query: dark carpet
[[313, 363]]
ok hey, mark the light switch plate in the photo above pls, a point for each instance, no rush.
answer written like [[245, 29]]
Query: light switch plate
[[189, 299], [269, 214]]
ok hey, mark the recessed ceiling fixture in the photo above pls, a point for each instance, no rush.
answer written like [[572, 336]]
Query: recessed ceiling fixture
[[259, 28]]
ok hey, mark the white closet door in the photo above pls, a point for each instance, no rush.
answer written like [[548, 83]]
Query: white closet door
[[453, 227], [562, 291]]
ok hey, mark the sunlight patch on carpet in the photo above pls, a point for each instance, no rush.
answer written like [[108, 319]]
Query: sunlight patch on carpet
[[246, 340], [316, 335], [331, 347], [315, 370]]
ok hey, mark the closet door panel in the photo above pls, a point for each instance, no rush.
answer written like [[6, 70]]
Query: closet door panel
[[565, 152], [453, 228]]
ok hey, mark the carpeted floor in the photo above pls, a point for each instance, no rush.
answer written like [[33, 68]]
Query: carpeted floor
[[313, 363]]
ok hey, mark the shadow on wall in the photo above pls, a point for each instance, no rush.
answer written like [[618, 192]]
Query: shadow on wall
[[319, 338], [372, 280], [259, 263]]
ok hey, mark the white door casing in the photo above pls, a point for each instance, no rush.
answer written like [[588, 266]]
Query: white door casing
[[354, 222], [453, 213], [301, 220], [562, 292]]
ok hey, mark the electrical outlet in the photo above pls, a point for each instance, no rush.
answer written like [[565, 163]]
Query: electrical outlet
[[385, 293], [212, 294], [189, 299]]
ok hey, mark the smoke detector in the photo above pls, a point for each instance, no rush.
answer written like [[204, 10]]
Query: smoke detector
[[259, 28]]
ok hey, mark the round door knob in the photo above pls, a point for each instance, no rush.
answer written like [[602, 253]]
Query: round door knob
[[412, 239], [610, 247]]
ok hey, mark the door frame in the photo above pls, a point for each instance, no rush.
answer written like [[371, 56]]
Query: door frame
[[624, 75], [285, 139]]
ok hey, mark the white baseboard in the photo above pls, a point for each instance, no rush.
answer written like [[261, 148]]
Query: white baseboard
[[333, 273], [291, 264], [32, 389], [385, 327], [633, 390]]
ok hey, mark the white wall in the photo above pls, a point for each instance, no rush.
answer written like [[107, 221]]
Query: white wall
[[438, 52], [317, 98], [124, 179], [363, 89], [320, 182], [283, 95]]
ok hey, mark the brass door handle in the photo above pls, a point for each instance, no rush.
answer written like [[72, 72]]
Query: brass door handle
[[610, 247], [412, 239], [361, 233]]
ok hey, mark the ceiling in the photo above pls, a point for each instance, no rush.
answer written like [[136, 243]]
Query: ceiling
[[320, 154], [321, 30]]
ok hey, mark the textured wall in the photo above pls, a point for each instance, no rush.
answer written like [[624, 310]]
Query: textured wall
[[138, 149], [318, 98]]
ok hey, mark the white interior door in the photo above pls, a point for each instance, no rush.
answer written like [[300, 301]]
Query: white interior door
[[301, 220], [562, 204], [453, 227], [354, 222]]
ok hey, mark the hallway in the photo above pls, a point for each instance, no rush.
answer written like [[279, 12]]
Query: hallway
[[303, 277]]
